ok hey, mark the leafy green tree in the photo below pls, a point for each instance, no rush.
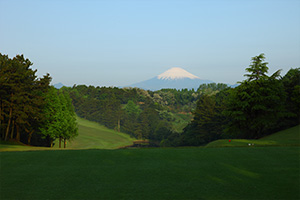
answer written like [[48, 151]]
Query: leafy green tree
[[207, 123], [161, 132], [21, 98], [132, 110], [130, 119], [211, 88], [258, 68], [257, 105], [53, 124], [60, 118], [68, 118], [112, 112], [291, 82]]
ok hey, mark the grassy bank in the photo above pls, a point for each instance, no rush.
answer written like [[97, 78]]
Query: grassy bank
[[17, 146], [183, 173], [95, 136], [91, 135], [288, 137]]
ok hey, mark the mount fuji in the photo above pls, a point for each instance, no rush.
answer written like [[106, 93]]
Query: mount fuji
[[176, 77]]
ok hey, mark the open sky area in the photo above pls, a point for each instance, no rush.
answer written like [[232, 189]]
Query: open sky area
[[121, 42]]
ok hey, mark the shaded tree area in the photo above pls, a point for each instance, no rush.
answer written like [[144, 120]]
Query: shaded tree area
[[259, 106], [24, 101], [185, 100], [291, 84], [153, 115], [35, 113], [128, 110], [208, 122]]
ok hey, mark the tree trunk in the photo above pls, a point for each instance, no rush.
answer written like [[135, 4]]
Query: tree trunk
[[8, 124], [12, 130], [1, 135], [51, 143], [59, 142], [119, 126], [29, 137], [18, 133], [65, 143]]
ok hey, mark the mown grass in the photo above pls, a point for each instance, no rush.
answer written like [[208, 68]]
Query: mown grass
[[288, 137], [15, 146], [269, 171], [182, 173], [91, 135], [95, 136]]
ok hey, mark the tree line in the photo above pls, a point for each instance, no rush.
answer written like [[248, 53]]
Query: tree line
[[32, 111], [259, 106]]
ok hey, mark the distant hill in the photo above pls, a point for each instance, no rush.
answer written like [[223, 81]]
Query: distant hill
[[58, 85], [176, 77]]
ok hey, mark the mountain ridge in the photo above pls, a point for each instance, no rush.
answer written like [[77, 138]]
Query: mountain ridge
[[174, 78], [176, 73]]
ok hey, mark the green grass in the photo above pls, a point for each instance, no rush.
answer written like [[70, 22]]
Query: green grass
[[14, 146], [181, 121], [91, 135], [288, 137], [182, 173], [268, 170], [94, 136]]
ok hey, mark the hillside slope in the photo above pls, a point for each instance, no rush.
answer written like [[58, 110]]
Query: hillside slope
[[94, 136], [91, 136], [288, 137]]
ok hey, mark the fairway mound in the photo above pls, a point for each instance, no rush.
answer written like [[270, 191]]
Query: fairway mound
[[92, 135], [288, 137]]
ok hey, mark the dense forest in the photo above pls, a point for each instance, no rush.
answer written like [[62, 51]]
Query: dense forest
[[260, 105], [140, 113], [32, 111]]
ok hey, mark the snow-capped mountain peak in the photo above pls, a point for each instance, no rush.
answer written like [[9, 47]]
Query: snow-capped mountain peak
[[174, 78], [176, 73]]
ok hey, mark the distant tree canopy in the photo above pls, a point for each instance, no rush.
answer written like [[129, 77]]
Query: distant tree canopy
[[33, 112], [259, 106], [154, 115], [23, 103], [127, 110]]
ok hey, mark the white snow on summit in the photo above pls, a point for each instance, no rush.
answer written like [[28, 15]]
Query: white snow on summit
[[176, 73]]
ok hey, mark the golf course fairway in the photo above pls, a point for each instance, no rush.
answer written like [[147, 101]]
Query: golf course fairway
[[170, 173]]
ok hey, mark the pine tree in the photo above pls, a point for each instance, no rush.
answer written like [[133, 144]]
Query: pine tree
[[257, 105], [21, 98]]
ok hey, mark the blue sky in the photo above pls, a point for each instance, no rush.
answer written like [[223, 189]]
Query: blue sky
[[120, 42]]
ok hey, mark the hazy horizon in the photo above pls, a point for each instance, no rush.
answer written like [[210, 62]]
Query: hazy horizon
[[119, 43]]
